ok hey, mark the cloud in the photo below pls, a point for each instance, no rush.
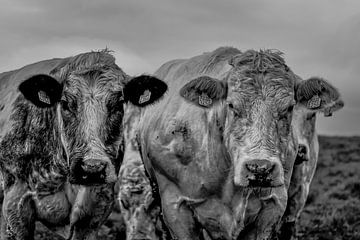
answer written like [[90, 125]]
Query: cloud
[[318, 38]]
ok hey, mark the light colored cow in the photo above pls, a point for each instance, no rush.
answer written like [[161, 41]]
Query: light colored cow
[[222, 149], [61, 142], [305, 165]]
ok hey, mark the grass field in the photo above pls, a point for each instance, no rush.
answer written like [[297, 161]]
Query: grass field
[[332, 211], [333, 207]]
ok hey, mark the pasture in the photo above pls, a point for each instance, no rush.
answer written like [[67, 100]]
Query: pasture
[[332, 211]]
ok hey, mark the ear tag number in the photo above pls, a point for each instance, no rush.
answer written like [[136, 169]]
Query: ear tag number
[[145, 97], [314, 102], [204, 100], [43, 97]]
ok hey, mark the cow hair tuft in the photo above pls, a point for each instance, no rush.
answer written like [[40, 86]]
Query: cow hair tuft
[[260, 61], [220, 54], [86, 62]]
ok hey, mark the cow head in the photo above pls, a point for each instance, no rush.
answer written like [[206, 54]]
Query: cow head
[[257, 100], [304, 118], [89, 107]]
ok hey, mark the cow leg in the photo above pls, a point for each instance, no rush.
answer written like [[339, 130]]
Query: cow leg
[[294, 207], [268, 219], [18, 214], [5, 233], [288, 224], [298, 192], [92, 207], [178, 217], [287, 230], [84, 233]]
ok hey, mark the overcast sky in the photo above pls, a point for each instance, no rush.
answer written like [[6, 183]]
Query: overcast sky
[[318, 37]]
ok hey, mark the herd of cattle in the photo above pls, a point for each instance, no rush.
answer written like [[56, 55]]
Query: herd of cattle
[[219, 146]]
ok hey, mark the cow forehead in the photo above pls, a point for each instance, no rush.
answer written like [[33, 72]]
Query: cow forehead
[[93, 83], [278, 88], [261, 72], [92, 70]]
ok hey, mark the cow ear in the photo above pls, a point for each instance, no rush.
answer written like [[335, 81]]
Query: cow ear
[[42, 90], [144, 90], [204, 91], [317, 95]]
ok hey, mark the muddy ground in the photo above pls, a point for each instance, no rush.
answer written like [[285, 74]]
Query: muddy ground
[[333, 207]]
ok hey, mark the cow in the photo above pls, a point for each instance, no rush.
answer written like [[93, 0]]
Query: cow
[[221, 146], [140, 208], [304, 166], [61, 142]]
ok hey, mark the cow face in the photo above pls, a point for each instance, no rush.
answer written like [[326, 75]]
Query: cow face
[[257, 99], [89, 109]]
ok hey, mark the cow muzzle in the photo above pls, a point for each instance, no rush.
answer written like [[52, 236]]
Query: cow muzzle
[[261, 173], [93, 172]]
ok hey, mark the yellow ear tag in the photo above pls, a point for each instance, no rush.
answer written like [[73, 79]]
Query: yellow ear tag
[[314, 102], [204, 100], [145, 97], [43, 97]]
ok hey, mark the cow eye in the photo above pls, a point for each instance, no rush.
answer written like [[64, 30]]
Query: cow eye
[[116, 109], [310, 116], [236, 111], [290, 108], [125, 204], [66, 106]]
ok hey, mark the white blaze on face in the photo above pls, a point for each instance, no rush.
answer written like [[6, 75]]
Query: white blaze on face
[[93, 117], [254, 138]]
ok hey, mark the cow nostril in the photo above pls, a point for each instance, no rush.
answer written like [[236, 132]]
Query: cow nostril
[[302, 151], [101, 167], [251, 167], [93, 166], [260, 166]]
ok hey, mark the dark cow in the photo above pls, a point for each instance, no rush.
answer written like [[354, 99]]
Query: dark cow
[[222, 149], [62, 142]]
